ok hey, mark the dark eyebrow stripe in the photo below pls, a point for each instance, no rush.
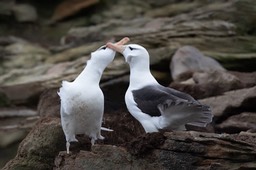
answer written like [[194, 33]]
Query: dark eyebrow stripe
[[132, 48]]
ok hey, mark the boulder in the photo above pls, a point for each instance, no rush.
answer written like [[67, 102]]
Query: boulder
[[171, 150], [49, 103], [6, 7], [210, 83], [188, 59], [23, 55], [11, 137], [22, 93], [73, 53], [38, 149], [18, 111], [25, 13], [245, 121], [247, 78], [163, 150], [231, 103], [70, 7]]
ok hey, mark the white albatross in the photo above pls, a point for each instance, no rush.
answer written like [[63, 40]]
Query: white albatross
[[153, 105], [82, 101]]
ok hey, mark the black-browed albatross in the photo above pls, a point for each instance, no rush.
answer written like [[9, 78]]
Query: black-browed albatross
[[82, 101], [153, 105]]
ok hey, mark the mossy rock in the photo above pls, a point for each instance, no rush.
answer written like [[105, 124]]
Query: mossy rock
[[4, 101], [39, 148]]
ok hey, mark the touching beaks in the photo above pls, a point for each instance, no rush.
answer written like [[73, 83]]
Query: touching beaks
[[116, 47]]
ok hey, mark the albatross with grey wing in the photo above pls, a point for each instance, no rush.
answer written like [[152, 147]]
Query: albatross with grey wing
[[82, 101], [153, 105]]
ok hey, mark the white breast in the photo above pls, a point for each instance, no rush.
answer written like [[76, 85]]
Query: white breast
[[83, 108]]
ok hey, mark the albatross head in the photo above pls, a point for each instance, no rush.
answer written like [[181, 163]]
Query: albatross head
[[103, 55], [133, 53]]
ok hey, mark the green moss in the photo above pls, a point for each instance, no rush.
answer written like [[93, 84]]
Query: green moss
[[245, 16], [231, 61], [4, 101]]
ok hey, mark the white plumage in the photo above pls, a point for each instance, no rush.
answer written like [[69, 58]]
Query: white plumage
[[82, 101], [153, 105]]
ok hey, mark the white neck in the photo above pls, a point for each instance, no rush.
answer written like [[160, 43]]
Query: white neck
[[141, 76], [92, 72]]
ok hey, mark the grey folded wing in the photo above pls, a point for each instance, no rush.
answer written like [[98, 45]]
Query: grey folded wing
[[157, 100]]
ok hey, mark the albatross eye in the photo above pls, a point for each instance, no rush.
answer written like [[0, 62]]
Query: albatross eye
[[131, 48]]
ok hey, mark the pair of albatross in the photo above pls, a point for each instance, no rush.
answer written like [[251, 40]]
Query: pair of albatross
[[156, 107]]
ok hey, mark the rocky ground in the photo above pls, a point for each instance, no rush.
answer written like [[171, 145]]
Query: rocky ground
[[204, 48]]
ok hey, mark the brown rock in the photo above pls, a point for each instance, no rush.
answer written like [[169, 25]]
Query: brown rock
[[38, 149], [230, 103], [22, 93], [49, 103], [101, 157], [25, 12], [247, 78], [245, 121], [210, 83], [17, 111], [130, 148], [71, 7], [189, 59], [174, 150]]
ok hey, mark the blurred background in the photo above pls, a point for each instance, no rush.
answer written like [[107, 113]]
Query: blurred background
[[43, 42]]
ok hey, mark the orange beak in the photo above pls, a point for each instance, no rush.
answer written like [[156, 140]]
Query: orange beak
[[119, 46]]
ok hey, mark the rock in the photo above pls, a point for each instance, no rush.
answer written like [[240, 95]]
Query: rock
[[11, 137], [25, 48], [4, 101], [198, 91], [160, 3], [8, 40], [210, 23], [101, 157], [49, 103], [243, 20], [12, 124], [188, 59], [22, 93], [235, 61], [23, 55], [125, 7], [33, 81], [129, 146], [21, 76], [71, 7], [231, 103], [176, 150], [172, 9], [73, 53], [24, 13], [219, 29], [207, 84], [222, 78], [248, 79], [245, 121], [207, 147], [8, 154], [17, 112], [6, 7], [38, 149], [23, 61]]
